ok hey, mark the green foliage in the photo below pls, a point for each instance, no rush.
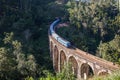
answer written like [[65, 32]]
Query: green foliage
[[113, 76], [65, 74], [74, 36], [27, 53], [13, 62], [110, 50], [29, 21], [93, 17], [93, 21], [29, 78], [49, 76]]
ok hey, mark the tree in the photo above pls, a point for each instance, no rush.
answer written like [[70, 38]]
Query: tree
[[65, 74], [95, 20], [110, 50], [14, 64]]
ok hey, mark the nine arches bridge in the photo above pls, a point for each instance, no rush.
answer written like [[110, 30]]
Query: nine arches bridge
[[83, 64]]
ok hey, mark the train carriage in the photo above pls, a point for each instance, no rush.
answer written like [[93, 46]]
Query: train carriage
[[56, 36]]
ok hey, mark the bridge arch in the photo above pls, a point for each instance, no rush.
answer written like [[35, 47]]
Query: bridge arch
[[86, 71], [55, 59], [62, 59], [74, 65], [103, 72]]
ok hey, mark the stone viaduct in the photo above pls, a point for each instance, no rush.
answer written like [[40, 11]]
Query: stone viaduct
[[84, 65]]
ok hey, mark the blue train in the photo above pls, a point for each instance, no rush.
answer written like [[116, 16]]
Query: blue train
[[56, 36]]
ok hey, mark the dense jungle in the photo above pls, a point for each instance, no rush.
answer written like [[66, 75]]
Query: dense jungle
[[93, 26]]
